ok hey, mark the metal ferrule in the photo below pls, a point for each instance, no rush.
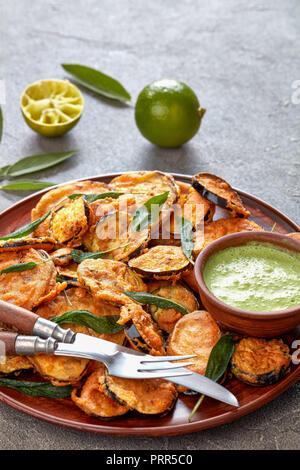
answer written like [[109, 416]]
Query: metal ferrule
[[30, 345], [46, 328]]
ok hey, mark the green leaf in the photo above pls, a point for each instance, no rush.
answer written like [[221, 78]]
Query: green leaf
[[14, 268], [35, 163], [104, 325], [218, 361], [148, 212], [186, 235], [26, 186], [27, 229], [37, 389], [98, 82], [160, 302], [79, 256], [95, 196], [1, 123]]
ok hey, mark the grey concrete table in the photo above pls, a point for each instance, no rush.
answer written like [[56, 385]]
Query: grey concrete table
[[242, 59]]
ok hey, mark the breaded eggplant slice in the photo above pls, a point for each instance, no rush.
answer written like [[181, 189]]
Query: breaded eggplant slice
[[189, 278], [161, 262], [167, 318], [149, 183], [30, 288], [141, 331], [220, 228], [93, 401], [197, 209], [81, 299], [219, 192], [69, 275], [69, 222], [147, 396], [14, 365], [295, 235], [126, 202], [260, 362], [62, 257], [195, 333], [167, 232], [56, 197], [107, 280], [113, 231], [18, 244]]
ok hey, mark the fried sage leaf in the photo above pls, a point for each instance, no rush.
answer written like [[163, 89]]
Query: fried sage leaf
[[27, 185], [148, 212], [98, 82], [19, 267], [37, 389], [79, 256], [186, 235], [106, 325], [217, 363], [35, 163], [27, 229], [160, 302], [96, 196]]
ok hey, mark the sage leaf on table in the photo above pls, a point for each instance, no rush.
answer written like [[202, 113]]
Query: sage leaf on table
[[26, 185], [79, 256], [34, 163], [105, 325], [14, 268], [95, 196], [37, 389], [148, 212], [1, 123], [160, 302], [98, 82], [26, 229], [217, 364], [186, 235]]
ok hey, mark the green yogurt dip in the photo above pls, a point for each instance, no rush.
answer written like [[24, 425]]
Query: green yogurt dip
[[258, 277]]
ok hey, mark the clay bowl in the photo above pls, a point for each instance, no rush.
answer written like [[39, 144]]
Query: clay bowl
[[265, 324]]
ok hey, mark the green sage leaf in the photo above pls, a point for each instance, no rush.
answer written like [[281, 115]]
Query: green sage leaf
[[79, 256], [186, 235], [27, 229], [98, 82], [106, 324], [26, 186], [35, 163], [148, 212], [14, 268], [95, 196], [160, 302], [37, 389], [217, 364]]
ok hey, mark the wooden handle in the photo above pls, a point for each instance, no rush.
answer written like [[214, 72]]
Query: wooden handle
[[17, 317], [7, 343]]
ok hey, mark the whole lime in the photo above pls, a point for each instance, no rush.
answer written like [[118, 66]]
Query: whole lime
[[168, 113]]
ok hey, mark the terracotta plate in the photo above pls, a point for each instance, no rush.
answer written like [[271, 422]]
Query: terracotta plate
[[211, 413]]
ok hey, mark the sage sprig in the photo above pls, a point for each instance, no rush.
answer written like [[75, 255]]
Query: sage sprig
[[148, 212], [218, 361], [98, 82], [26, 185], [34, 163], [79, 256], [37, 389], [149, 299], [95, 196], [106, 324], [186, 234], [26, 229]]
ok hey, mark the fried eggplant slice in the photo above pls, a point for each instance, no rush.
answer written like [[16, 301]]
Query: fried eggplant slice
[[167, 318], [113, 231], [260, 362], [69, 222], [149, 183], [108, 279], [18, 244], [161, 262], [93, 401], [295, 235], [219, 192], [197, 208], [14, 365], [56, 197], [29, 288], [62, 257], [167, 232], [140, 330], [147, 396], [189, 278], [81, 299], [195, 333], [220, 228]]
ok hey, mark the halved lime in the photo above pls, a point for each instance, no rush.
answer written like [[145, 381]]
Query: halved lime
[[52, 107]]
